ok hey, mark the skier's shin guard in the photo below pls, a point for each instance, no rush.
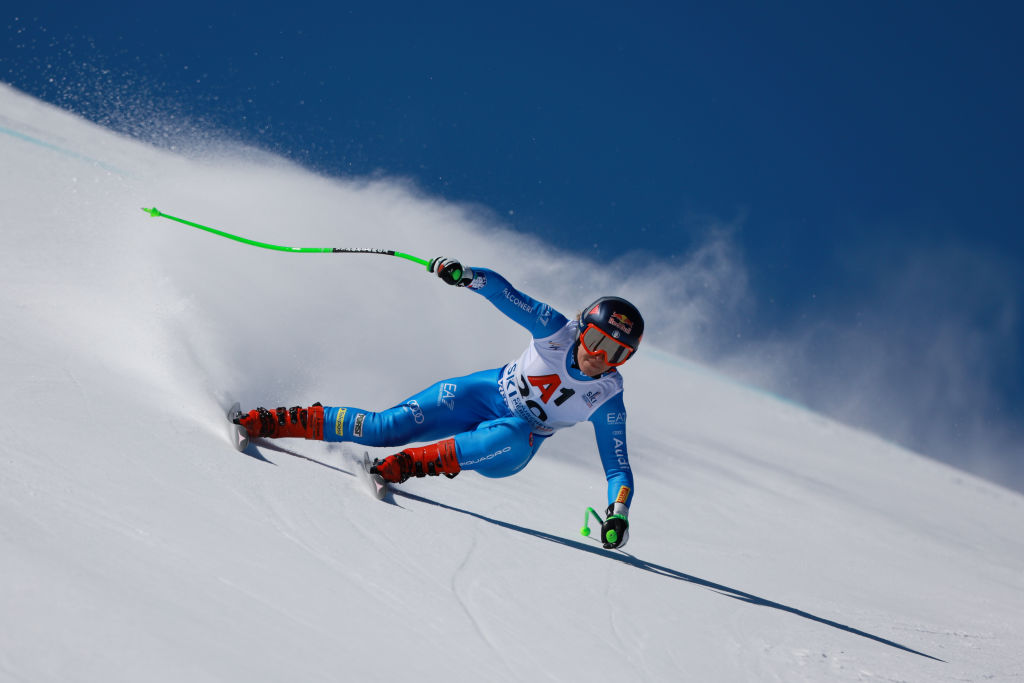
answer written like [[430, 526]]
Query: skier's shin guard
[[421, 461], [297, 422]]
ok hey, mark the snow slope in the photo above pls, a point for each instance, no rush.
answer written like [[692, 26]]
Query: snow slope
[[767, 543]]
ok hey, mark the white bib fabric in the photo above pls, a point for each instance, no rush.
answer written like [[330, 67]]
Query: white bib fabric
[[539, 389]]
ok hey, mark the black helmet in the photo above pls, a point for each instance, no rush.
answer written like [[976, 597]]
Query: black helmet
[[621, 324]]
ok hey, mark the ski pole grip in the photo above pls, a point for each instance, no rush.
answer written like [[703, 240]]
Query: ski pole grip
[[613, 536]]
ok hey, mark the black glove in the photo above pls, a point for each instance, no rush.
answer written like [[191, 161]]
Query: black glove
[[451, 271], [615, 530]]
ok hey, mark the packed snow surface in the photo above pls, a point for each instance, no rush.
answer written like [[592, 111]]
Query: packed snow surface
[[767, 543]]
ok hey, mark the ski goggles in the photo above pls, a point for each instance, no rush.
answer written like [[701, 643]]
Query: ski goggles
[[597, 341]]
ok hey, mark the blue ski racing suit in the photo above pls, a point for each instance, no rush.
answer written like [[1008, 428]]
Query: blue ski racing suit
[[499, 418]]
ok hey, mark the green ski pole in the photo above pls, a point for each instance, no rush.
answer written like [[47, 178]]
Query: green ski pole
[[586, 518], [156, 213]]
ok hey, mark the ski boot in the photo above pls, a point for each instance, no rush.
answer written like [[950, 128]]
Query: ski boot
[[297, 422], [421, 461]]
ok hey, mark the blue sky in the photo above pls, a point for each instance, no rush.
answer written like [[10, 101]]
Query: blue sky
[[863, 161]]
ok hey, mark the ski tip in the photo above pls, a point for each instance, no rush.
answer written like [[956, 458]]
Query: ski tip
[[378, 487], [239, 436]]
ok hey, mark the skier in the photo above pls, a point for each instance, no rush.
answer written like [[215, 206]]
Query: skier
[[495, 420]]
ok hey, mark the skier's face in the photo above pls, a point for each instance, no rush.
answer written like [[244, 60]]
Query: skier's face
[[592, 365]]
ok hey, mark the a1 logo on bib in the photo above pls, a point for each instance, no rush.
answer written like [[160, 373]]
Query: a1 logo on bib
[[547, 384]]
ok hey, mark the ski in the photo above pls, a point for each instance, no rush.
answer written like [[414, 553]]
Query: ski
[[374, 482], [236, 433]]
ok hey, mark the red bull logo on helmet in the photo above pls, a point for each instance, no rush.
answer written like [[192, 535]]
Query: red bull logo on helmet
[[621, 321]]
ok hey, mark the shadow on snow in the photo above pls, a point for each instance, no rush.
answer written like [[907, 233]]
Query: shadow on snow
[[254, 452], [667, 572], [618, 556]]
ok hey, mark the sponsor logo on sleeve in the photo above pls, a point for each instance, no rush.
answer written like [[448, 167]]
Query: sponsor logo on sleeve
[[479, 281], [357, 425], [516, 301], [620, 452], [616, 418], [339, 422], [623, 495]]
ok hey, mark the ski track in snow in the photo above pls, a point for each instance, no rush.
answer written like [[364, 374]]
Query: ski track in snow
[[766, 543], [463, 601]]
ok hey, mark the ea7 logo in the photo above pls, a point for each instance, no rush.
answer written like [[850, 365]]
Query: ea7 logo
[[446, 395], [616, 418], [544, 316]]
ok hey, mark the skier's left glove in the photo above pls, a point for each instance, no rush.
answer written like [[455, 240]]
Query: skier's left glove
[[451, 271], [615, 530]]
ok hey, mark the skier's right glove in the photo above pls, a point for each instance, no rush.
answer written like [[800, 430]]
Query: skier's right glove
[[615, 530], [451, 271]]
